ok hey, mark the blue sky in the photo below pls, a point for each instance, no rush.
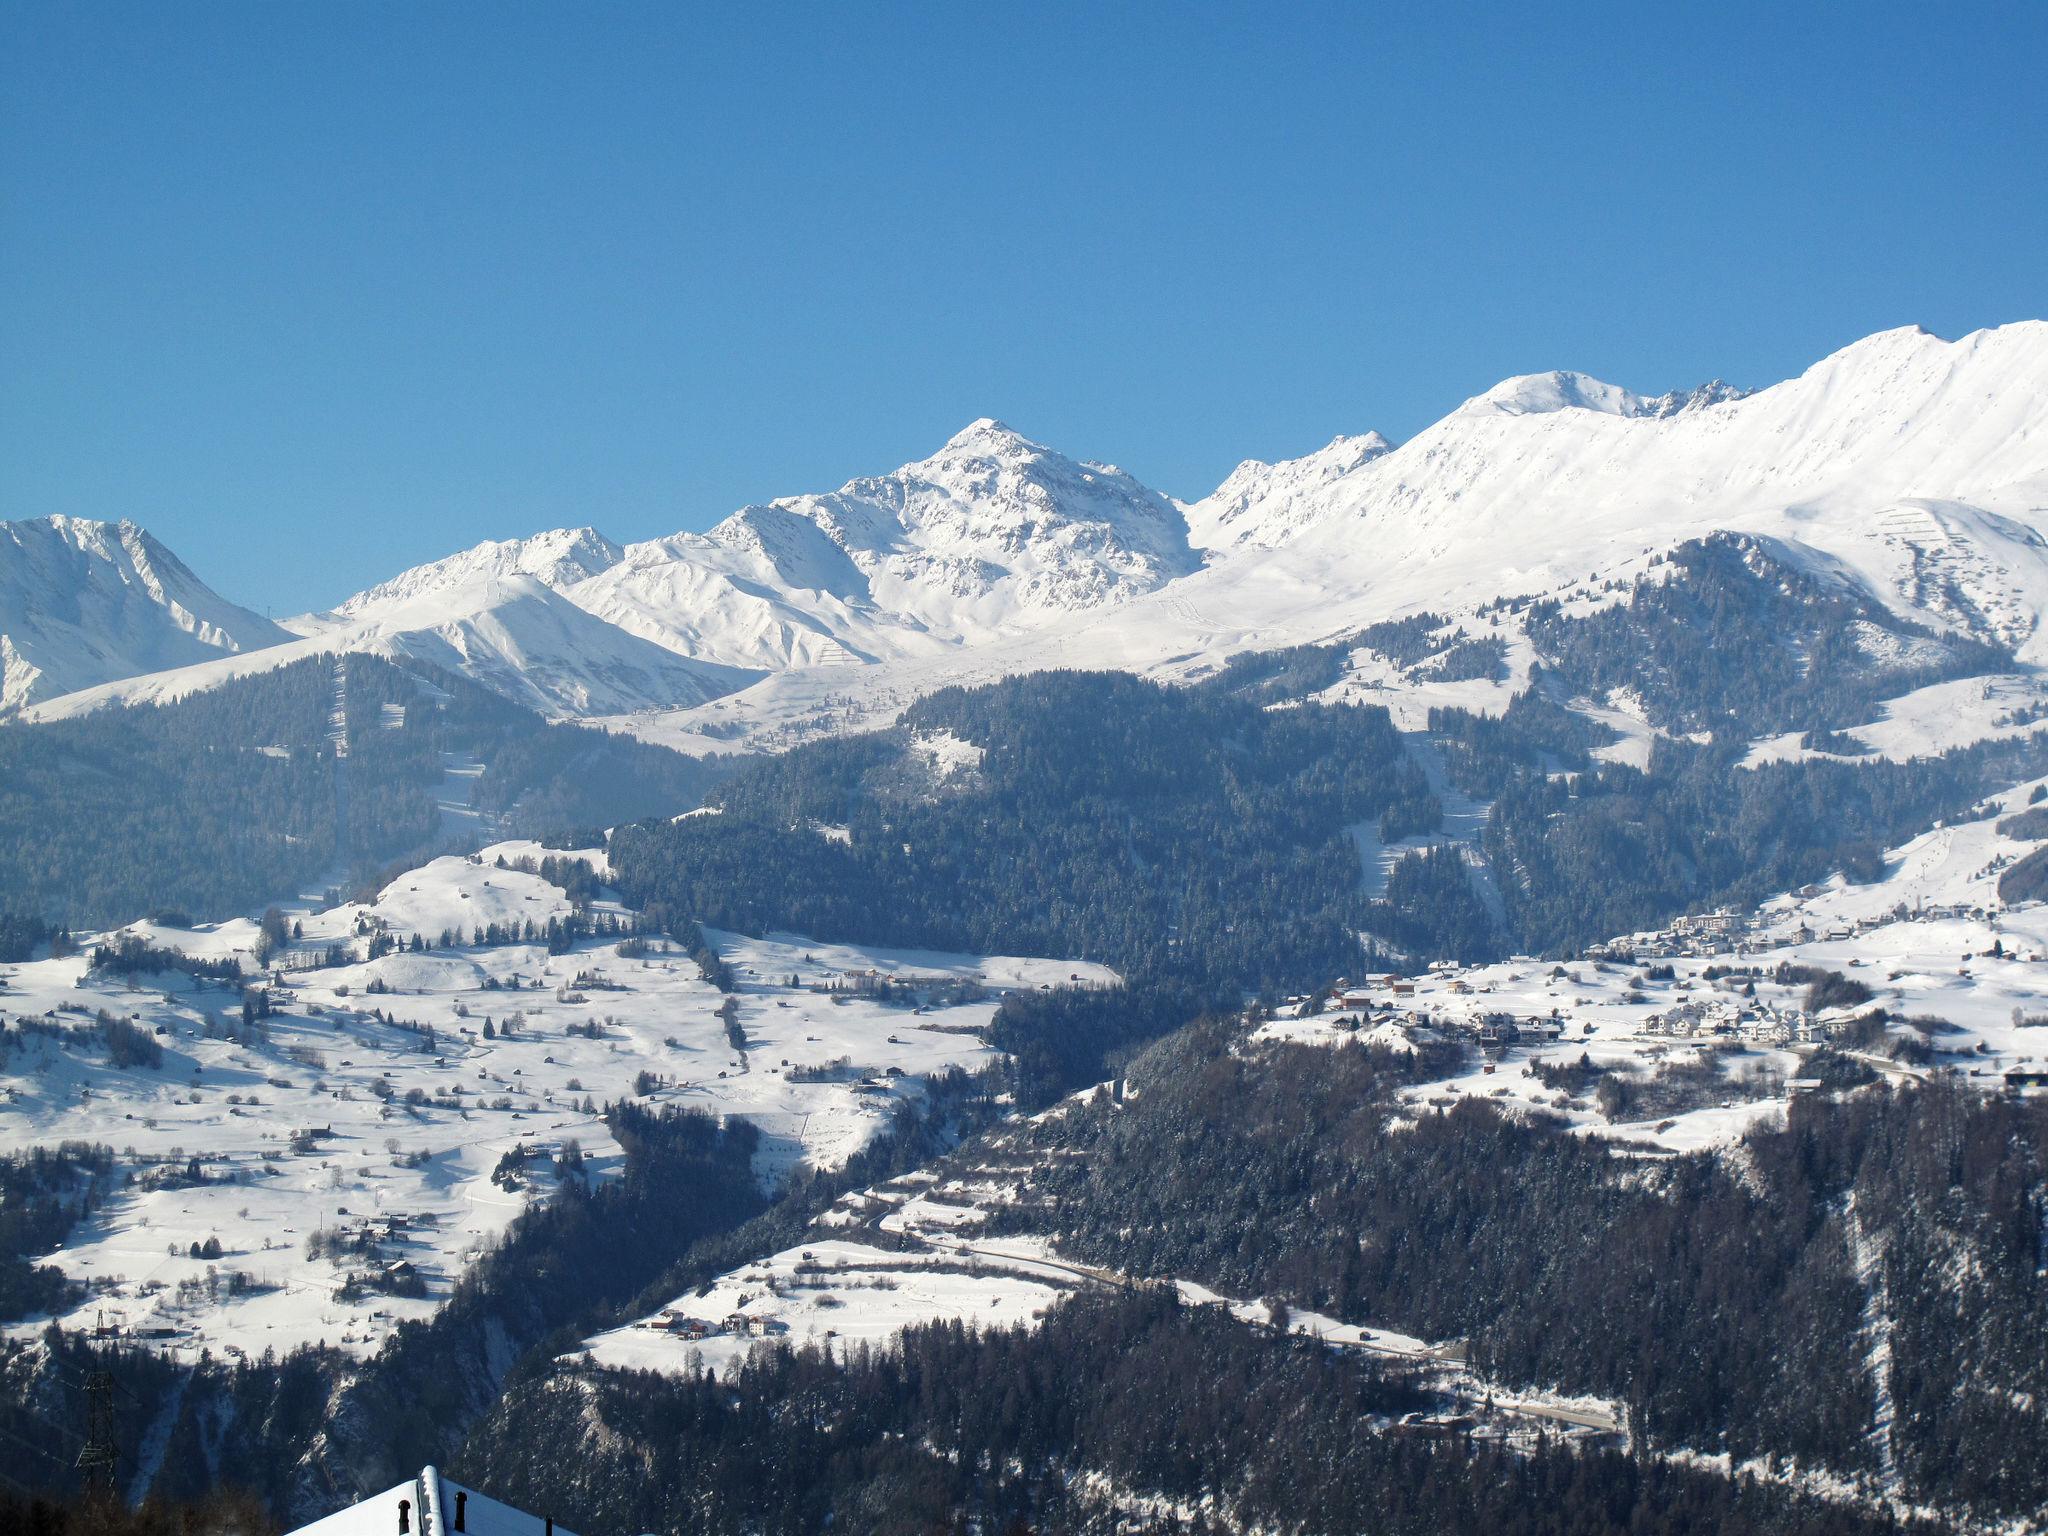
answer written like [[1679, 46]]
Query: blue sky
[[319, 291]]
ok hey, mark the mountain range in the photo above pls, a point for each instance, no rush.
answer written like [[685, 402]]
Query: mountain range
[[1912, 467]]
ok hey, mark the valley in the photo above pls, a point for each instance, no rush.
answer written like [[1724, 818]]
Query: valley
[[1527, 944]]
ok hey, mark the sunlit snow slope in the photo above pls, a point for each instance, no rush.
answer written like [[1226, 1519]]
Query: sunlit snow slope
[[1914, 466], [83, 602]]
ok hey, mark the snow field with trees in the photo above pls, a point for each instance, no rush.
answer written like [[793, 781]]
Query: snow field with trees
[[319, 1156]]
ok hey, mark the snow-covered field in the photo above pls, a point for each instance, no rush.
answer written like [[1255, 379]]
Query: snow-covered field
[[341, 1113], [1930, 940], [913, 1251]]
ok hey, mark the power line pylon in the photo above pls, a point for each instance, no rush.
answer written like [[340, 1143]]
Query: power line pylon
[[98, 1458]]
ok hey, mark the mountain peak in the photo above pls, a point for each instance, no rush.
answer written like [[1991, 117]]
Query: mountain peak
[[1678, 401], [985, 434], [1261, 505], [84, 602], [557, 557], [1535, 394]]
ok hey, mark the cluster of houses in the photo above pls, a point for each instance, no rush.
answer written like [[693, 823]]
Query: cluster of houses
[[738, 1325], [387, 1226], [1747, 1019], [1697, 936], [1386, 999], [1706, 935], [1391, 999]]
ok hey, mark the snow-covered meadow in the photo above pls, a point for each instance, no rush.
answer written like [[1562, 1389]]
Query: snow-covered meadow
[[377, 1101]]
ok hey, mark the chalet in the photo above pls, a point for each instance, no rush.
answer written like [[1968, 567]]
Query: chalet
[[1498, 1029], [669, 1320], [431, 1505], [1434, 1426]]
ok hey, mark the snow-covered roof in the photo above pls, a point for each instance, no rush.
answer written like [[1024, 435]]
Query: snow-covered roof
[[431, 1505]]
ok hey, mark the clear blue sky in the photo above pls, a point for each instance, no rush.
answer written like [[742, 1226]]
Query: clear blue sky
[[317, 291]]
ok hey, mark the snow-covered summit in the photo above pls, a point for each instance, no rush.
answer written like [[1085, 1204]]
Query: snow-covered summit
[[1535, 393], [1915, 465], [1701, 397], [1920, 465], [512, 633], [991, 534], [993, 509], [1261, 505], [83, 602], [559, 557]]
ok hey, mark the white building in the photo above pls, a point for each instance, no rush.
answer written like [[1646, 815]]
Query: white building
[[431, 1505]]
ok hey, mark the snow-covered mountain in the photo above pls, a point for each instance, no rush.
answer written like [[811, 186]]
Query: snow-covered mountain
[[1919, 464], [1261, 505], [84, 602], [513, 633], [1914, 466], [991, 535], [558, 558]]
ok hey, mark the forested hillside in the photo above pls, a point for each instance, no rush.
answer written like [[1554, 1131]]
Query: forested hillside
[[1718, 1297], [228, 798], [1728, 636], [1589, 849], [1135, 1395], [1166, 831], [1201, 833]]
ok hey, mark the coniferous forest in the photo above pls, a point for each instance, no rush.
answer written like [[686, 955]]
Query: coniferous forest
[[216, 803], [1209, 842]]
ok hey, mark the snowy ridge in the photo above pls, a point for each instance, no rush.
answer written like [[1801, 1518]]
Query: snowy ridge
[[82, 602], [557, 558], [992, 534], [511, 633], [1913, 466], [1261, 505]]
